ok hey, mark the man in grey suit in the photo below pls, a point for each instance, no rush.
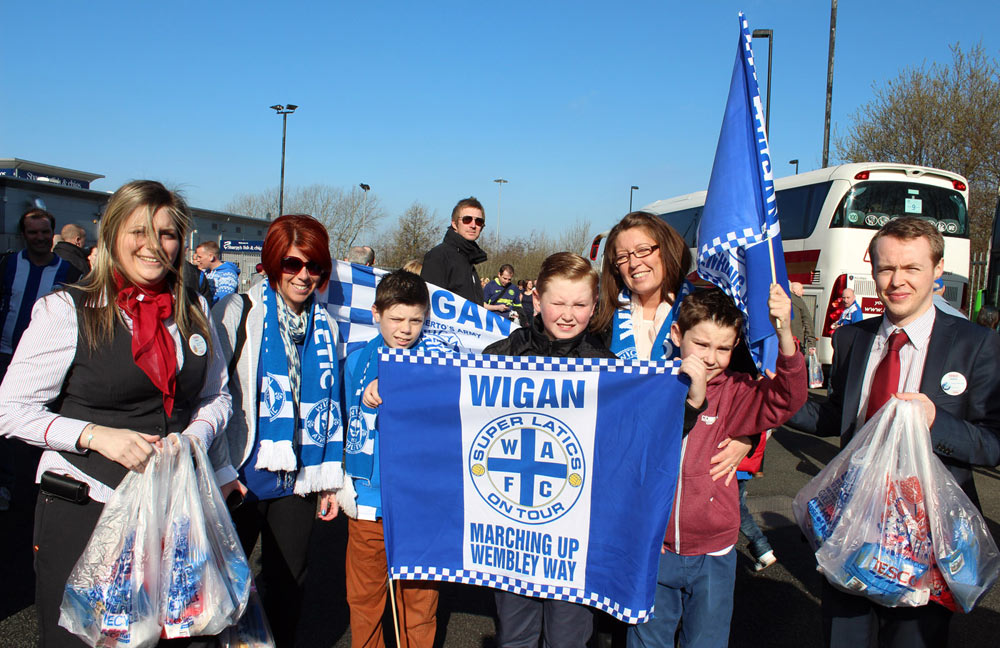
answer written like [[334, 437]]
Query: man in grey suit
[[945, 363]]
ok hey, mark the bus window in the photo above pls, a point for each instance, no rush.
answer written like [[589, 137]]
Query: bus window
[[870, 205], [799, 209], [685, 222]]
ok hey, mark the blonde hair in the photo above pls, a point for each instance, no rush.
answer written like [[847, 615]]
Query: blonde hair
[[100, 288]]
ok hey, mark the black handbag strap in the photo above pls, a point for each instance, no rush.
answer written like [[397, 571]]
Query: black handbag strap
[[241, 335]]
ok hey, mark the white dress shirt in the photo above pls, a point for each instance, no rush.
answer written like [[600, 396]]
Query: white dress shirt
[[38, 370]]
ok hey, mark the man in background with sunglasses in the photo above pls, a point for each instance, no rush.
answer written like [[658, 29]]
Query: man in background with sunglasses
[[452, 264]]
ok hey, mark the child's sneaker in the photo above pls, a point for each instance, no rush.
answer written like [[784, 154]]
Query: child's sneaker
[[765, 561]]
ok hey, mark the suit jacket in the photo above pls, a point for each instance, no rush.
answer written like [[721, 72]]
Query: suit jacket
[[966, 430]]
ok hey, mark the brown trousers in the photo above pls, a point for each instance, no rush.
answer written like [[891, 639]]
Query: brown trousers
[[367, 575]]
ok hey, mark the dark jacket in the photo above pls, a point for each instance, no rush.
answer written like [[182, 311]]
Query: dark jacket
[[74, 255], [451, 265], [532, 341], [802, 323]]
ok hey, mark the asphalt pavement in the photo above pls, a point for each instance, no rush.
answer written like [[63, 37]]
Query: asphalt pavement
[[776, 607]]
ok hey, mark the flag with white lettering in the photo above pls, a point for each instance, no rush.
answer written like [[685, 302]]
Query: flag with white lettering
[[739, 225], [453, 323], [549, 477]]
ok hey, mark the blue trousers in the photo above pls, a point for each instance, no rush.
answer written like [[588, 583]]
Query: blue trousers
[[523, 619], [748, 526], [695, 592]]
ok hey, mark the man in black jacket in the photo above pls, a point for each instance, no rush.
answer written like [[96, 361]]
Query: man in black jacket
[[71, 247], [451, 264]]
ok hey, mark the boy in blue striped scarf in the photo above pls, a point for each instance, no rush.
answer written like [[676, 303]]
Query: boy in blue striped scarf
[[401, 302]]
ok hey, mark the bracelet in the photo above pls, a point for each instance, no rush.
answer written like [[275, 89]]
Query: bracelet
[[90, 435]]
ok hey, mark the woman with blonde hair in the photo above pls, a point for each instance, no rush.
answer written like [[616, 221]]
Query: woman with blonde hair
[[105, 370]]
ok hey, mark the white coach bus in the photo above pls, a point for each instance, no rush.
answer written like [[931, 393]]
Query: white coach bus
[[829, 216]]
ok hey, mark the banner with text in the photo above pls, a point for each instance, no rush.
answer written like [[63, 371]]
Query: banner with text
[[549, 477]]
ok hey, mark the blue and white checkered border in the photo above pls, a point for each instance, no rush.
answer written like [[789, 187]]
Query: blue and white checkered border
[[517, 586], [528, 363]]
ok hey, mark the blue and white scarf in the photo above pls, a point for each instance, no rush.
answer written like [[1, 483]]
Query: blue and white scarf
[[623, 337], [359, 447], [320, 440]]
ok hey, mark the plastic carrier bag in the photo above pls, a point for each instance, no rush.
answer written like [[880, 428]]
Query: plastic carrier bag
[[205, 576], [252, 630], [889, 522], [111, 596], [815, 371]]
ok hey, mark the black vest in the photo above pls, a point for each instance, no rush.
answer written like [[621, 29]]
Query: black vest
[[104, 386]]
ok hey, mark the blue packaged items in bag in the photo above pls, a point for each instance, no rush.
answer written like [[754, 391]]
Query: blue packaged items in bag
[[884, 576], [825, 509], [184, 601]]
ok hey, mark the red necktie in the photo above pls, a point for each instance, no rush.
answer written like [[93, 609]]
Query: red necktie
[[885, 382]]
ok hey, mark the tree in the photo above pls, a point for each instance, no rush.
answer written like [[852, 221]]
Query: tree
[[349, 216], [944, 116], [416, 232]]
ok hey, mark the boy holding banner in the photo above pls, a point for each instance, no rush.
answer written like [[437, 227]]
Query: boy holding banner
[[697, 568], [401, 303]]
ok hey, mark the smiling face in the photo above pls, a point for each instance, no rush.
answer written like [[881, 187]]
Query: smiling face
[[643, 277], [904, 277], [469, 231], [400, 324], [296, 288], [709, 341], [135, 248], [565, 307], [38, 235]]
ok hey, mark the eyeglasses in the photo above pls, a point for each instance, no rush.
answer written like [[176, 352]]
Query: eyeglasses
[[640, 252], [480, 221], [292, 265]]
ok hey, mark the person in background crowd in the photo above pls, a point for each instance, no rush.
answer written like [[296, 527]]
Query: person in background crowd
[[942, 303], [499, 295], [107, 368], [414, 266], [281, 369], [852, 310], [915, 352], [361, 254], [802, 319], [527, 303], [71, 248], [223, 276], [988, 316], [451, 264], [91, 256], [196, 280]]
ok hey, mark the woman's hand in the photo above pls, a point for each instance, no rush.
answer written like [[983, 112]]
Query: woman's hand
[[229, 487], [370, 397], [731, 453], [326, 506], [129, 448]]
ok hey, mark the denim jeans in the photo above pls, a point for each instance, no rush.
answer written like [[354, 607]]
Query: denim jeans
[[748, 526]]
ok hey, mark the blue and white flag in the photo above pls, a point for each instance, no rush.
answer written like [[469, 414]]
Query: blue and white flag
[[740, 218], [453, 323], [549, 477]]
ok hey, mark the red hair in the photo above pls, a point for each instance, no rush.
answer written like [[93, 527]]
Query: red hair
[[305, 233]]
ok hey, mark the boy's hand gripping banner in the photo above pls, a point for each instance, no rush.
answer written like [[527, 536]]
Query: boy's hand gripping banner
[[549, 477]]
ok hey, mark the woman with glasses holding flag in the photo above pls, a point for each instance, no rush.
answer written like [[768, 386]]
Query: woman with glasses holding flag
[[281, 455]]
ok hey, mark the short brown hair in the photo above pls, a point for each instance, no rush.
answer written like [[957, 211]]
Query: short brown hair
[[674, 254], [471, 201], [566, 265], [211, 247], [711, 305], [401, 287], [908, 228], [36, 213]]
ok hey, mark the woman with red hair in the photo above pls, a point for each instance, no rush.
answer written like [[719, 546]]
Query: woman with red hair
[[283, 447]]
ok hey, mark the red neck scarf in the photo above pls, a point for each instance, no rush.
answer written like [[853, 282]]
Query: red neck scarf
[[152, 347]]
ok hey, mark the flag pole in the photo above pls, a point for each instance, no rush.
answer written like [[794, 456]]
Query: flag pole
[[774, 274], [392, 604]]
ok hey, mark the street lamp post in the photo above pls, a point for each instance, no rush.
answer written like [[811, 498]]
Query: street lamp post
[[769, 35], [500, 183], [631, 189], [284, 111], [829, 82], [796, 163]]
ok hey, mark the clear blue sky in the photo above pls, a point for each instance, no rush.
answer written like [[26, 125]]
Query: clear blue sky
[[572, 102]]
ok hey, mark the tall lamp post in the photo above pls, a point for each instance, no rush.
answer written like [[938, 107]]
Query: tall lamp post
[[769, 35], [829, 82], [500, 183], [284, 111], [796, 163], [630, 190]]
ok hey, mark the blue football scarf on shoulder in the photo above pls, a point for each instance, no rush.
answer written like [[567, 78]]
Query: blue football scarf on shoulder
[[359, 447], [623, 338], [317, 421]]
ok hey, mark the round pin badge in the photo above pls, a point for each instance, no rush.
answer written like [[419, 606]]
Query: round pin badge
[[197, 345], [953, 383]]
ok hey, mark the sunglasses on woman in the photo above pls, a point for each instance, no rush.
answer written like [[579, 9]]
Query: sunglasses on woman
[[292, 265], [480, 221]]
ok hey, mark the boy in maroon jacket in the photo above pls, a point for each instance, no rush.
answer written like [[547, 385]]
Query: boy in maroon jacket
[[697, 568]]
